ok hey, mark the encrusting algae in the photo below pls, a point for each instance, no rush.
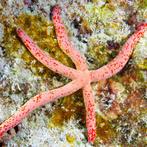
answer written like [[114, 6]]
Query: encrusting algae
[[66, 109]]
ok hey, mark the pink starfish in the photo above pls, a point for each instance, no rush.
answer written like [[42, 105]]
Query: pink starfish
[[81, 76]]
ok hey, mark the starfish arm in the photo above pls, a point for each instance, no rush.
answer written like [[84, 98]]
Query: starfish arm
[[80, 63], [121, 59], [37, 101], [90, 112], [64, 41], [45, 58]]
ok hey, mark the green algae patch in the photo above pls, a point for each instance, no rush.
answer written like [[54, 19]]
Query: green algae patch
[[99, 13], [105, 132], [67, 108], [100, 54], [42, 32], [142, 65], [70, 138], [142, 4]]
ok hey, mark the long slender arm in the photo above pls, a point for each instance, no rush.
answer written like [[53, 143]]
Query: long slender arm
[[45, 58], [121, 59], [37, 101], [80, 63], [90, 112], [64, 41]]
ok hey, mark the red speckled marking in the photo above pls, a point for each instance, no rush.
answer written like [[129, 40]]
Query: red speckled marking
[[81, 64], [64, 42], [44, 58], [37, 101], [82, 76], [114, 66], [90, 112]]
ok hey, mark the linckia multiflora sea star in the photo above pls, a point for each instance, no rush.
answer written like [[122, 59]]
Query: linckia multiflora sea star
[[81, 76]]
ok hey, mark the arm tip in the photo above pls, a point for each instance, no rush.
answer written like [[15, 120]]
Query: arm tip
[[141, 26], [56, 9], [20, 32]]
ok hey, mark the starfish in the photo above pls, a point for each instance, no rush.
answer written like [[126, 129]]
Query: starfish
[[81, 77]]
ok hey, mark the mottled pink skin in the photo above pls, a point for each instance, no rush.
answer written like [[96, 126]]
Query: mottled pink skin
[[81, 77], [90, 112], [117, 64], [80, 62], [64, 42], [45, 58], [39, 100]]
